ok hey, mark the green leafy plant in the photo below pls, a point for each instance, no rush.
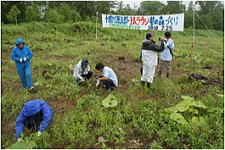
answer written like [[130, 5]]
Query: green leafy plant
[[178, 118], [184, 105], [188, 106], [23, 145], [146, 119], [110, 101]]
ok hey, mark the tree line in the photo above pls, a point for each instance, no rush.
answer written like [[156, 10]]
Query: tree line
[[207, 14]]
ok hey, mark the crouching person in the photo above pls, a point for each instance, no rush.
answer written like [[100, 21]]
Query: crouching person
[[82, 71], [108, 78], [149, 59], [36, 114]]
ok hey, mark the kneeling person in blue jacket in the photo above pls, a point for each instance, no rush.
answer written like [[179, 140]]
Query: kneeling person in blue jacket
[[22, 55], [34, 113]]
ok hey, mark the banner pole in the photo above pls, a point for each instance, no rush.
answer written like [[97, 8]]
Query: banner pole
[[193, 32], [96, 33]]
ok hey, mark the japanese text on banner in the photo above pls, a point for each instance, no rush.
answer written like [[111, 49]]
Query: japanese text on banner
[[173, 22]]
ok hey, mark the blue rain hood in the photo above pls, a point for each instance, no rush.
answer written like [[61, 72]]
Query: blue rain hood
[[19, 41], [31, 108]]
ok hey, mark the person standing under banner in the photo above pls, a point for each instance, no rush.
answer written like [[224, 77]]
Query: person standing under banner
[[166, 56], [149, 59]]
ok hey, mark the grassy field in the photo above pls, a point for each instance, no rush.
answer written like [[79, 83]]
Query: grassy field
[[141, 118]]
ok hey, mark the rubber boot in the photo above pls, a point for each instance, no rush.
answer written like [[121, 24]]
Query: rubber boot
[[148, 84], [160, 75], [168, 75]]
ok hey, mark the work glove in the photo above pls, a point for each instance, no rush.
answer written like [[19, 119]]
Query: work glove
[[85, 73], [39, 133], [19, 139], [98, 82], [24, 59], [21, 60], [81, 80]]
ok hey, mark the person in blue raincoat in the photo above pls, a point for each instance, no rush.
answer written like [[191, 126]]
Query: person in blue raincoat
[[36, 114], [22, 55]]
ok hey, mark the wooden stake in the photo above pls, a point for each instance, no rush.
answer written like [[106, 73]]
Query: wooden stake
[[193, 34], [96, 33]]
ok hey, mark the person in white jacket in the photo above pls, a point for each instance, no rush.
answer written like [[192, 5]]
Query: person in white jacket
[[149, 59], [82, 71], [166, 56], [108, 77]]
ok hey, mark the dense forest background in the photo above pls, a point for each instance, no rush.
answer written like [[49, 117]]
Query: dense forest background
[[208, 14]]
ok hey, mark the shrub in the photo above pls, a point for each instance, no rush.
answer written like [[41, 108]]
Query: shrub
[[145, 119], [166, 88]]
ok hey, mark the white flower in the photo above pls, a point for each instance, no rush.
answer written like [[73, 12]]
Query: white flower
[[101, 139]]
